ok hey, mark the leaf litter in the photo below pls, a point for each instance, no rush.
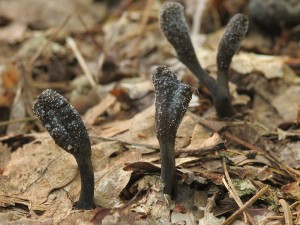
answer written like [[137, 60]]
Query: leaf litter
[[120, 45]]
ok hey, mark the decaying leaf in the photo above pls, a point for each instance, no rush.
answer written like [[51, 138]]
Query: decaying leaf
[[39, 182]]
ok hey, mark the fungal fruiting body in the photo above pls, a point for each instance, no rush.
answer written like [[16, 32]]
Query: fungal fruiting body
[[171, 102], [175, 29], [65, 126], [229, 44]]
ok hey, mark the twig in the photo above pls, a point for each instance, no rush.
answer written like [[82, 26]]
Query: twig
[[81, 61], [100, 63], [292, 170], [198, 152], [287, 212], [230, 187], [202, 151], [22, 120], [52, 85], [230, 219], [265, 221], [121, 8], [155, 147], [28, 97], [197, 18]]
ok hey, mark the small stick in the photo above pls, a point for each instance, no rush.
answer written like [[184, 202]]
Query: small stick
[[197, 18], [22, 120], [230, 187], [202, 151], [265, 221], [287, 212], [81, 61], [230, 219]]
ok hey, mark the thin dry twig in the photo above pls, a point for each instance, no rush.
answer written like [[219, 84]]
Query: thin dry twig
[[52, 85], [265, 221], [28, 96], [82, 63], [156, 147], [287, 212], [21, 120], [230, 187], [202, 151], [197, 18], [230, 219], [100, 63], [121, 8]]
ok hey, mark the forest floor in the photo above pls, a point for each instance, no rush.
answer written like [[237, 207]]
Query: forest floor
[[100, 56]]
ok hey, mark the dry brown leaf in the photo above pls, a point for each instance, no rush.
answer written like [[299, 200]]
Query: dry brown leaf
[[59, 172], [101, 154], [109, 186], [152, 204], [59, 206], [18, 218], [38, 11], [270, 66], [287, 103], [44, 167], [200, 135], [4, 157], [92, 114], [113, 128], [290, 154], [142, 129]]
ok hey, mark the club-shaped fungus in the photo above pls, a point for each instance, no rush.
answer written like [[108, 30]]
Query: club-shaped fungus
[[174, 27], [171, 102], [65, 126]]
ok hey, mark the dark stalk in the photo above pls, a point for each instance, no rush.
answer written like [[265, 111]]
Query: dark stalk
[[171, 102], [230, 42], [87, 183], [65, 126]]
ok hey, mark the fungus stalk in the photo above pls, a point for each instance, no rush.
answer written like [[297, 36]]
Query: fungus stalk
[[171, 102], [230, 42], [65, 126], [175, 29]]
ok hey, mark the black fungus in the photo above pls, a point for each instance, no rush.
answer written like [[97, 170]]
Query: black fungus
[[171, 102], [234, 34], [65, 126], [229, 44], [175, 29]]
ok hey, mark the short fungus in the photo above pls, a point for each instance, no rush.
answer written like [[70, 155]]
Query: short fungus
[[171, 102], [65, 126]]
